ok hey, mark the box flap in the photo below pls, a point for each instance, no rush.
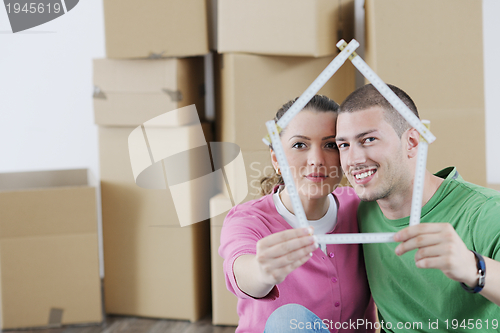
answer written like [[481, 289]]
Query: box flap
[[135, 76], [15, 181]]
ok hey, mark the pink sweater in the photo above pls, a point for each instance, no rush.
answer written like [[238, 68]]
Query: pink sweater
[[333, 286]]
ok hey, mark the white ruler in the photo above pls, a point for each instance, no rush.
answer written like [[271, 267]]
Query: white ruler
[[298, 210], [385, 237], [418, 183], [391, 97], [347, 51]]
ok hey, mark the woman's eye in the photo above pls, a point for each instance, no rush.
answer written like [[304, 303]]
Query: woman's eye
[[343, 145], [331, 145], [299, 145], [368, 140]]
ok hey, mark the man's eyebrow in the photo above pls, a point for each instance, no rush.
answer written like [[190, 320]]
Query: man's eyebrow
[[358, 136], [329, 137]]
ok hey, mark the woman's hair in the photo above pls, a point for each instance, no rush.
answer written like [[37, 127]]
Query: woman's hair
[[317, 103]]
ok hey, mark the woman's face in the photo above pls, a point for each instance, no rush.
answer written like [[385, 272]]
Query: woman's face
[[312, 154]]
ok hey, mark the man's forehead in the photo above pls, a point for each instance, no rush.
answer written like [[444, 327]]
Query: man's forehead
[[353, 123], [376, 109]]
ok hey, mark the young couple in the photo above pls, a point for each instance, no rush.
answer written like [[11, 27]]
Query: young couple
[[429, 280]]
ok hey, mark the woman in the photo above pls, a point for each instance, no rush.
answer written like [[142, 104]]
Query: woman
[[271, 264]]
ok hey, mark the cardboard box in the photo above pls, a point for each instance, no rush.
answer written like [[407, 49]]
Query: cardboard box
[[49, 249], [252, 88], [153, 266], [494, 186], [223, 301], [426, 48], [152, 28], [130, 92], [284, 27]]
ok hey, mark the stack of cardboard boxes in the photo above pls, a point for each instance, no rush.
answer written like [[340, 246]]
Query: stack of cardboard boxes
[[153, 266], [269, 53]]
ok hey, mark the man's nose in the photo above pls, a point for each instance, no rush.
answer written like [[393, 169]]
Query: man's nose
[[355, 156]]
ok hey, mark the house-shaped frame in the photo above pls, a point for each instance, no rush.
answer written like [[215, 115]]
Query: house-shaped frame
[[426, 137]]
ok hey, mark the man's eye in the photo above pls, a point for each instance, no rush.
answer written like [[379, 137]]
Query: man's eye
[[299, 145]]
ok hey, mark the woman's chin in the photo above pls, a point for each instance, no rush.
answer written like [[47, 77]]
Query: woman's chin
[[313, 192]]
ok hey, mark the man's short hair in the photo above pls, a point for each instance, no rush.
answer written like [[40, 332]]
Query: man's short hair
[[368, 96]]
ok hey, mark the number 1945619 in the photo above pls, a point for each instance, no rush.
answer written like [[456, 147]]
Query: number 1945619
[[34, 8]]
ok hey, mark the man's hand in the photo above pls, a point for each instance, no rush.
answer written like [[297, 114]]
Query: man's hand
[[440, 247]]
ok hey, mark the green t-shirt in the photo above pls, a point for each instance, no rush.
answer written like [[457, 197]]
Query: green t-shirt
[[414, 296]]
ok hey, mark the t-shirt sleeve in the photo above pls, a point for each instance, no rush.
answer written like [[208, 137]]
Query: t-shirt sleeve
[[239, 235], [486, 232]]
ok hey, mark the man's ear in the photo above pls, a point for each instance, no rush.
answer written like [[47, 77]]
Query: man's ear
[[412, 140], [274, 160]]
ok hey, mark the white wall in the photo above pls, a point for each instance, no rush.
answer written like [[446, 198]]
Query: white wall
[[46, 116], [491, 35]]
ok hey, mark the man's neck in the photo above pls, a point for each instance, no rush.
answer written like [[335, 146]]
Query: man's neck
[[398, 205]]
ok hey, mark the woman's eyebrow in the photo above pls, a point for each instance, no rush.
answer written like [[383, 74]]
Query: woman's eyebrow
[[300, 137]]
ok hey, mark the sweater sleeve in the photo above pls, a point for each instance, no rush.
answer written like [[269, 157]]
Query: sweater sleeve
[[239, 236]]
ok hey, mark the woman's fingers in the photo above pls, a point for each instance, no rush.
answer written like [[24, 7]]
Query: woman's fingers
[[282, 243], [283, 236], [278, 274], [279, 254], [288, 257], [285, 270]]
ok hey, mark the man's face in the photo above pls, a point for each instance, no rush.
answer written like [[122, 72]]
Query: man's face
[[372, 154]]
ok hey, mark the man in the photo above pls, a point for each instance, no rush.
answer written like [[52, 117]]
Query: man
[[418, 283]]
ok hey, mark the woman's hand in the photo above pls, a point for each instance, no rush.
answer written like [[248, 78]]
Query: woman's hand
[[281, 253], [277, 256]]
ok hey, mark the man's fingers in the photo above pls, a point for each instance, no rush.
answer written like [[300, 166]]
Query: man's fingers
[[421, 228], [418, 242], [432, 251], [429, 262]]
